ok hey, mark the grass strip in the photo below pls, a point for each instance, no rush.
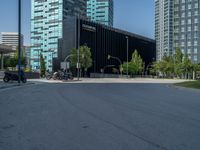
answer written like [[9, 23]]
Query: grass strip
[[189, 84]]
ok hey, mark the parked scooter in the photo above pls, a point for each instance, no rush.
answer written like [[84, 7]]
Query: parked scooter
[[9, 76], [48, 75], [60, 75], [68, 76]]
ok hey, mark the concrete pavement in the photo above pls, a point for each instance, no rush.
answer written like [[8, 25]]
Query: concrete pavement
[[112, 80], [103, 116]]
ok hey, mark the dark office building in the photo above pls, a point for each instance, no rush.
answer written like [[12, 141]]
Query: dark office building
[[103, 41]]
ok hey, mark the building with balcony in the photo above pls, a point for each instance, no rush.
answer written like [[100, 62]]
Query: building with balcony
[[187, 28], [47, 25], [100, 11], [177, 25], [164, 27]]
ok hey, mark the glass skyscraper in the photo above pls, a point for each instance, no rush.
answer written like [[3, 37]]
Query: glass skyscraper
[[100, 11], [47, 27]]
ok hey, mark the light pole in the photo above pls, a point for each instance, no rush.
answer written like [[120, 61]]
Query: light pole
[[78, 59], [120, 68], [19, 41], [127, 47]]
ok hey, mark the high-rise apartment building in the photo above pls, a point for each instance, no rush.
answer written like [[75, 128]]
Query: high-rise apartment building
[[10, 39], [177, 25], [100, 11], [187, 28], [47, 25], [164, 27]]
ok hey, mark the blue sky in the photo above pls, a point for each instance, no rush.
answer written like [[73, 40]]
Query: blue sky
[[135, 16]]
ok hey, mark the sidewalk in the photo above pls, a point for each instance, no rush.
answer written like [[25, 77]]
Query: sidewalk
[[112, 80]]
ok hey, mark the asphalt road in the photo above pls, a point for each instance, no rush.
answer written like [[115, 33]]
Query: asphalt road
[[99, 117]]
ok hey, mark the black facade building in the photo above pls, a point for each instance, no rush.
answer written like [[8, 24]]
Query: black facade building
[[103, 41]]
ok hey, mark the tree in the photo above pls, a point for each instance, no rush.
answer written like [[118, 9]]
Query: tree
[[187, 65], [12, 61], [178, 56], [85, 57], [196, 67], [164, 66], [135, 66], [178, 66], [42, 66]]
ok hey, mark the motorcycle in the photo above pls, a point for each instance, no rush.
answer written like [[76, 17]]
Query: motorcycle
[[60, 75], [48, 75], [67, 76], [54, 76], [14, 77]]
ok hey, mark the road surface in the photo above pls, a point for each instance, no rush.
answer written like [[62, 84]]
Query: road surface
[[89, 116]]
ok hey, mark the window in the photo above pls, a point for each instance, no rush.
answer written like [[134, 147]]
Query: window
[[189, 13], [189, 43], [196, 13], [189, 28], [196, 20], [195, 28], [195, 50], [195, 43], [189, 6], [182, 29], [189, 21], [195, 57], [196, 5], [182, 36], [182, 22], [189, 51]]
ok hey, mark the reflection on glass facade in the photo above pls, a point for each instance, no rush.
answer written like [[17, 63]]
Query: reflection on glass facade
[[46, 27], [100, 11]]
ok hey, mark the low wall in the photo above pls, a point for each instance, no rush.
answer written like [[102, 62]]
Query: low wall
[[29, 75], [101, 75], [32, 75]]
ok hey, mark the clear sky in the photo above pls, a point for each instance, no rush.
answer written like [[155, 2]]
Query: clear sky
[[135, 16]]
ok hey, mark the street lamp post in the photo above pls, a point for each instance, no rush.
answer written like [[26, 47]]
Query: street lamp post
[[78, 59], [127, 47], [19, 41]]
